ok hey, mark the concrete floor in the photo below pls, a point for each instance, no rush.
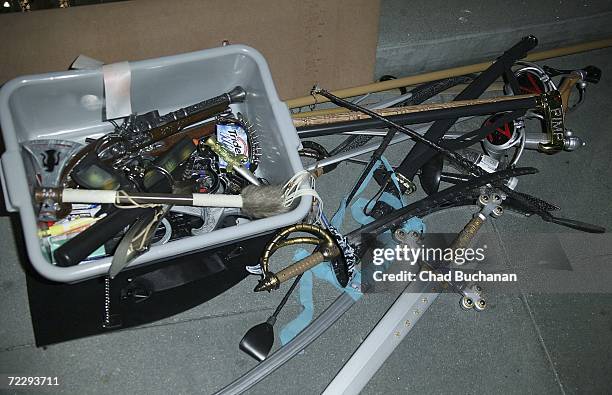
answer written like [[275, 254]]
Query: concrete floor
[[526, 342], [438, 34]]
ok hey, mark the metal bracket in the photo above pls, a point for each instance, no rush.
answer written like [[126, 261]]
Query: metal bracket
[[408, 185], [552, 108]]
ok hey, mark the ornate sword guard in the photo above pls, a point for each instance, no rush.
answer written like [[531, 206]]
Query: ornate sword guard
[[327, 249]]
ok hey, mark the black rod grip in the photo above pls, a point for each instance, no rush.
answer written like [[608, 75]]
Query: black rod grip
[[79, 247]]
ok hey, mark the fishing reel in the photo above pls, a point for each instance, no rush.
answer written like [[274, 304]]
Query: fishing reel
[[555, 138], [330, 246], [502, 139], [533, 78]]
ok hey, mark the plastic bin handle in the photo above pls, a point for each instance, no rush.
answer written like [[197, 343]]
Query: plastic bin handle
[[8, 179]]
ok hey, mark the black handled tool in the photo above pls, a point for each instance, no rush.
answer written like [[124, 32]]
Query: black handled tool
[[78, 248], [258, 340]]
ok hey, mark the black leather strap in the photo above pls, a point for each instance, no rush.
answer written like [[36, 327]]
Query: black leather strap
[[432, 202]]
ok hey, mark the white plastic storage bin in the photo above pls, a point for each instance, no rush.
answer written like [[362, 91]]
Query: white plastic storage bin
[[57, 105]]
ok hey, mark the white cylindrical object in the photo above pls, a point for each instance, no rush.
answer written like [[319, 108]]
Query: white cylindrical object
[[88, 196], [102, 196], [213, 200]]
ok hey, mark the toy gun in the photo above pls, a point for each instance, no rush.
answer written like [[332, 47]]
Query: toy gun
[[88, 167], [141, 131]]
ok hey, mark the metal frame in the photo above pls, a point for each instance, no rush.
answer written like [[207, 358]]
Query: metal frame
[[392, 328]]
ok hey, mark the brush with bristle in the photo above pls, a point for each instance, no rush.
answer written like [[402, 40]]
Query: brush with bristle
[[256, 201]]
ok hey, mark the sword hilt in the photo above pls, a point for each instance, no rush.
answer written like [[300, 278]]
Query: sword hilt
[[273, 281], [467, 234]]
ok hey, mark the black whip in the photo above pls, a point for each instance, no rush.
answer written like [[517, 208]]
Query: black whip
[[464, 163]]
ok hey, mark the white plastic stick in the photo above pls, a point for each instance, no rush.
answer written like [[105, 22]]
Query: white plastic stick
[[216, 200], [113, 197], [88, 196]]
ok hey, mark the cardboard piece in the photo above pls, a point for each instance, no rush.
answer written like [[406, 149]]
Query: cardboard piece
[[327, 42]]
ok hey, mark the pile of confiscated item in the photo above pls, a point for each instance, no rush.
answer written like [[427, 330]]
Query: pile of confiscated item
[[160, 176], [529, 115], [155, 179]]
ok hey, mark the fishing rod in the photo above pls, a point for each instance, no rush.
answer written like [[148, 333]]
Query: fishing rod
[[528, 203], [532, 140], [417, 114], [472, 107], [501, 130], [442, 74], [557, 140]]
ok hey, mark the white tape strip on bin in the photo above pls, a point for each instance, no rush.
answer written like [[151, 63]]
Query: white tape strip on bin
[[117, 84]]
